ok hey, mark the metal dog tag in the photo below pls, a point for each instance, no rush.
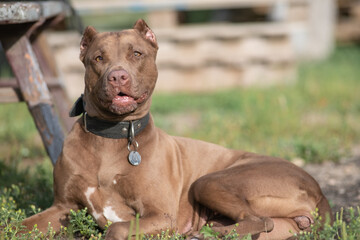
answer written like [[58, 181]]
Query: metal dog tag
[[134, 158]]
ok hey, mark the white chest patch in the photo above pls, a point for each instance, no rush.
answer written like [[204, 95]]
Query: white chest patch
[[88, 194], [110, 215], [114, 182]]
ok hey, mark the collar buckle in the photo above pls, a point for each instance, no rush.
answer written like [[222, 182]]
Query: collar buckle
[[85, 122]]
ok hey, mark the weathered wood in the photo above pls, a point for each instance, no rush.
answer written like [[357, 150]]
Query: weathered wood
[[355, 11], [321, 29], [51, 83], [23, 12], [10, 95], [93, 6], [49, 127], [348, 24], [49, 69], [21, 27], [222, 31], [198, 47], [207, 78], [25, 66], [10, 92], [65, 48], [163, 19], [8, 83], [17, 12]]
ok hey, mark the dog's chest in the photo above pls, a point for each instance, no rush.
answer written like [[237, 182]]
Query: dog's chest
[[115, 176], [109, 200], [106, 204]]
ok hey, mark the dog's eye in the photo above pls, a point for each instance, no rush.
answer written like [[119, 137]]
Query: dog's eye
[[137, 54], [99, 58]]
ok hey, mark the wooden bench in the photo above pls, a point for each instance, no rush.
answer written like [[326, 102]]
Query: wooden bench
[[36, 80]]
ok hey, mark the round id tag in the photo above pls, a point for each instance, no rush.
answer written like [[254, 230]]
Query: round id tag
[[134, 158]]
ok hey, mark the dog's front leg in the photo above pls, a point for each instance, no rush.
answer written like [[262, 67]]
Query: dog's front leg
[[57, 215], [152, 224]]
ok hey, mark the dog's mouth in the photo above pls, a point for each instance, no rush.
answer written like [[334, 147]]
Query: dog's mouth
[[123, 98], [123, 102]]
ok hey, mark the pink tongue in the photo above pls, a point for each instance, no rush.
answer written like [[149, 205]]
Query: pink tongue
[[122, 99]]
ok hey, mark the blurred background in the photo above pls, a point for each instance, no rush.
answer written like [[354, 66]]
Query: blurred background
[[264, 50], [211, 45], [271, 65], [277, 77]]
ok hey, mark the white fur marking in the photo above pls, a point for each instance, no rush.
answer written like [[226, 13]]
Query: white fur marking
[[110, 215], [88, 193], [114, 181]]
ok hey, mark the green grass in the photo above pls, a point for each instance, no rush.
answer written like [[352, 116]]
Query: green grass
[[316, 119]]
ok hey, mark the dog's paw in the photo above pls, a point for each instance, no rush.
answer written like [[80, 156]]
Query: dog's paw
[[195, 236], [117, 231], [303, 222], [268, 224]]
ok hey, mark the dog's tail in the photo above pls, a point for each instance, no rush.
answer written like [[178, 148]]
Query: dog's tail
[[325, 211]]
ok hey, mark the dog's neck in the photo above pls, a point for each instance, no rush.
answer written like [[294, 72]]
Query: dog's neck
[[108, 129], [115, 130]]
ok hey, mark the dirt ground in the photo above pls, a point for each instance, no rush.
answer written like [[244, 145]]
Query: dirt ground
[[340, 181]]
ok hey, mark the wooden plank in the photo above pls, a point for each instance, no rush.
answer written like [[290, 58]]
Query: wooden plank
[[348, 31], [10, 95], [8, 82], [207, 78], [10, 92], [49, 69], [223, 31], [18, 12], [22, 12], [93, 6], [320, 42], [355, 11], [235, 53], [12, 82], [25, 66], [199, 79], [224, 44], [162, 19], [49, 128]]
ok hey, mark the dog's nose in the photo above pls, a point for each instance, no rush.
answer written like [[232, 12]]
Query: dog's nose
[[118, 77]]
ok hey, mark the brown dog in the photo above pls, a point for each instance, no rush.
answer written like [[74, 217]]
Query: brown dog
[[117, 163]]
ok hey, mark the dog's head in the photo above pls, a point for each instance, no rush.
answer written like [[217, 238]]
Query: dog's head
[[120, 72]]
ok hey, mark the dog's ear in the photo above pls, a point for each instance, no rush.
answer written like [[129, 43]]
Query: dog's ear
[[87, 37], [146, 32]]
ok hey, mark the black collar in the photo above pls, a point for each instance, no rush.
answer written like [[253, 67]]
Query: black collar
[[108, 129], [114, 130]]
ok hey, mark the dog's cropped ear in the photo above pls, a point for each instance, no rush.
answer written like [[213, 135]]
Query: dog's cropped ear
[[146, 32], [87, 37]]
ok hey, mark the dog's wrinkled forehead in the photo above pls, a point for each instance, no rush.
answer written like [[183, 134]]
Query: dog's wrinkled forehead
[[141, 36], [116, 44], [125, 39]]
